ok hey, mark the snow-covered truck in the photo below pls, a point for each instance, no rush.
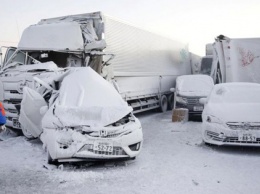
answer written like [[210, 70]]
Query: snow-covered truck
[[236, 60], [143, 68]]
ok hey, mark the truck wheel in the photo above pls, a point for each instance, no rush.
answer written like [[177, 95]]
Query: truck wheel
[[27, 134], [163, 103], [170, 102]]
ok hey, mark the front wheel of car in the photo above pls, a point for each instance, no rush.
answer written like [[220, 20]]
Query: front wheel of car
[[27, 134]]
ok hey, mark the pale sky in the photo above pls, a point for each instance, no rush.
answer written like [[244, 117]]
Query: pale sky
[[195, 22]]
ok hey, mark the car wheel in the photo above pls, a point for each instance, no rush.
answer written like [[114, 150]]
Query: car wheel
[[27, 134], [163, 103]]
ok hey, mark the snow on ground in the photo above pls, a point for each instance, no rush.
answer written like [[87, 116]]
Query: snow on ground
[[173, 160]]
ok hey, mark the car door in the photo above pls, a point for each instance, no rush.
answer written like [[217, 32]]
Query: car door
[[30, 112]]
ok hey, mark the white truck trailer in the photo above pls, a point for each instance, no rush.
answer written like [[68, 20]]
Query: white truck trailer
[[143, 68], [236, 60]]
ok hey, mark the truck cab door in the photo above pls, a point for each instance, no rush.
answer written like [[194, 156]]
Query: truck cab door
[[13, 55], [30, 112]]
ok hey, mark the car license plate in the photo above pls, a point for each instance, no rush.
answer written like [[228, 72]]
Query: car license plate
[[103, 146], [246, 137], [198, 108]]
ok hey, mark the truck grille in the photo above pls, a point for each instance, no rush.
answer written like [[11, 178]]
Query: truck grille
[[192, 101]]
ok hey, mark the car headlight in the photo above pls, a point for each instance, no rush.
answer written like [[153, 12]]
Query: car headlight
[[212, 119], [181, 100]]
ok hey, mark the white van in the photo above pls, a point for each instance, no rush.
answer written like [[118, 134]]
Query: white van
[[189, 89]]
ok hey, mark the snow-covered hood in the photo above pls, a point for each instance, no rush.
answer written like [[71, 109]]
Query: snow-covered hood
[[85, 98], [236, 112], [194, 85]]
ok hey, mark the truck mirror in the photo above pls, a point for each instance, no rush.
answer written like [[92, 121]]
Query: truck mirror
[[172, 89], [203, 100]]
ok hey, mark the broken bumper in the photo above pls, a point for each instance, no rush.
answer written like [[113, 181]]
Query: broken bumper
[[74, 146]]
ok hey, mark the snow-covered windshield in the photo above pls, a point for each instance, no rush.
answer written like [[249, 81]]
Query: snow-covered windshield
[[236, 93], [194, 83]]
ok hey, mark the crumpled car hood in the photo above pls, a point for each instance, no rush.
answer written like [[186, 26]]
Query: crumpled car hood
[[85, 98]]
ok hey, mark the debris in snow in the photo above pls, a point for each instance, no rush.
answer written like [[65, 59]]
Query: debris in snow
[[63, 181], [4, 135], [61, 167], [195, 183]]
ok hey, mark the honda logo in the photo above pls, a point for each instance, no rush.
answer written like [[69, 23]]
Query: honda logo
[[103, 133]]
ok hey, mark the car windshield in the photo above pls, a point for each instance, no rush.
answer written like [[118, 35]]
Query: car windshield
[[206, 64], [236, 93]]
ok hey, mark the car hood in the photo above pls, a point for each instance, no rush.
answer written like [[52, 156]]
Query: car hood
[[234, 112], [85, 98]]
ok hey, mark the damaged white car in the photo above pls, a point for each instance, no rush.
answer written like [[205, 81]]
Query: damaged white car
[[232, 115], [80, 116]]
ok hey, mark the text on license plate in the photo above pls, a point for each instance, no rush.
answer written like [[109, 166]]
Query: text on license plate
[[103, 146], [246, 137], [198, 108]]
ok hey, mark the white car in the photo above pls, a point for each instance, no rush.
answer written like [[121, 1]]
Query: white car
[[84, 119], [231, 115]]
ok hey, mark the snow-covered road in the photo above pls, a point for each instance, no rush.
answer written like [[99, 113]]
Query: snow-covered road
[[173, 160]]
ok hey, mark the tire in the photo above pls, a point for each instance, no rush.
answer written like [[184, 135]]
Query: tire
[[27, 134], [170, 102], [163, 103]]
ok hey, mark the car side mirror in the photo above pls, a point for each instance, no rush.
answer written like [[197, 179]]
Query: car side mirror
[[203, 101], [172, 89]]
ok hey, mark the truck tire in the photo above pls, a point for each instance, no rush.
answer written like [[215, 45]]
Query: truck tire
[[163, 103], [170, 102], [26, 133]]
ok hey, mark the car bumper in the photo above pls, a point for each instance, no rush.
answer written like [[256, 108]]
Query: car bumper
[[193, 109], [220, 134], [81, 147]]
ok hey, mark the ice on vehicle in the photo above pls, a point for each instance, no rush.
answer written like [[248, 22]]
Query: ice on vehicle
[[86, 119], [194, 85], [85, 98], [232, 115]]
